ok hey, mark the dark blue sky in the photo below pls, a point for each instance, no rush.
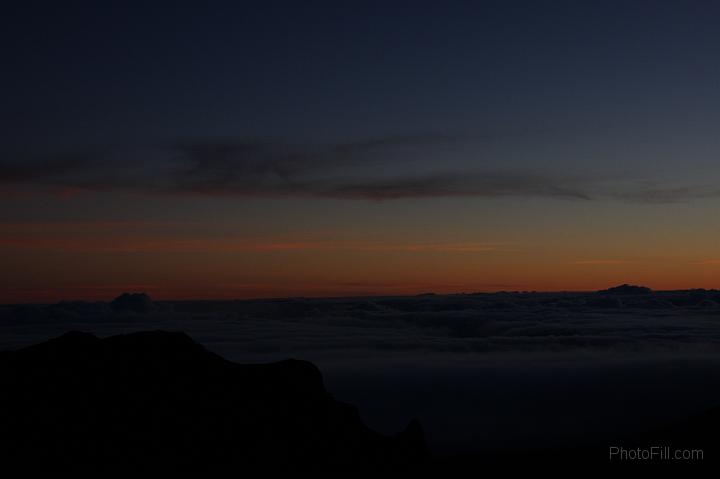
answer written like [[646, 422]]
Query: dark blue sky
[[88, 73]]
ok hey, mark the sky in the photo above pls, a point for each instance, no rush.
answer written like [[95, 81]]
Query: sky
[[269, 149]]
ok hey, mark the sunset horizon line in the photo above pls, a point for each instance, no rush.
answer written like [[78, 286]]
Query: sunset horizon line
[[328, 295]]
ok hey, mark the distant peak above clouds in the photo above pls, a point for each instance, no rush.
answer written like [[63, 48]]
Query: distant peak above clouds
[[627, 289]]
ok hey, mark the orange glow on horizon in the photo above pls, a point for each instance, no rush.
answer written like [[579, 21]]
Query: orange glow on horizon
[[191, 259]]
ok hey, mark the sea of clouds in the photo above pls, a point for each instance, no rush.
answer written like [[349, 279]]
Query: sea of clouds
[[481, 371]]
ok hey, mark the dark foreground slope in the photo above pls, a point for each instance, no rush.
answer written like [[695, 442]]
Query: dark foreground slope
[[158, 400]]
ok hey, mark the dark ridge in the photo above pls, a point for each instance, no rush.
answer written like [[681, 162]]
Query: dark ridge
[[160, 401], [627, 289]]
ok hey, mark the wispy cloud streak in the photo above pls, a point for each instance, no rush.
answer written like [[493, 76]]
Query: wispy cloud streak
[[599, 262], [149, 244], [378, 169]]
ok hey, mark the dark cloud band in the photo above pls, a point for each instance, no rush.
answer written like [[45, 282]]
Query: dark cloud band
[[379, 169]]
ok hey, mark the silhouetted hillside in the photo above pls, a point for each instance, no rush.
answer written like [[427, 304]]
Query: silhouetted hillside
[[158, 400]]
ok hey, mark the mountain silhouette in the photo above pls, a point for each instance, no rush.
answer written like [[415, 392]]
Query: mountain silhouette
[[159, 401], [136, 302], [627, 289]]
